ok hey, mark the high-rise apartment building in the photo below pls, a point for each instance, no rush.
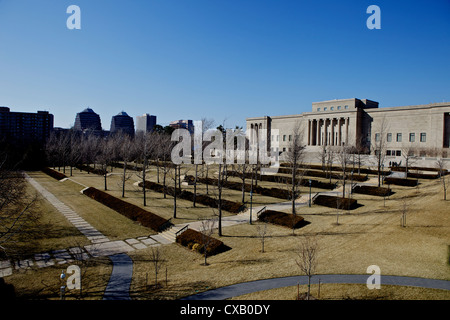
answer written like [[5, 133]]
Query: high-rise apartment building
[[145, 123], [185, 124], [122, 122], [87, 120], [25, 126]]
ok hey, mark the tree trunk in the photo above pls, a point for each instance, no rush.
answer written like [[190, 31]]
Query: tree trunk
[[123, 179], [219, 185], [175, 195], [195, 185], [294, 165], [143, 180]]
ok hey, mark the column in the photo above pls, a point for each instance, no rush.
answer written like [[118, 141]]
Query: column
[[309, 132], [332, 132]]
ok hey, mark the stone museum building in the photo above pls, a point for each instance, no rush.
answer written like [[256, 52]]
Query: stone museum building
[[422, 129]]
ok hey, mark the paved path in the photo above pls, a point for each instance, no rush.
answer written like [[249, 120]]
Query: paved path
[[119, 283], [239, 289]]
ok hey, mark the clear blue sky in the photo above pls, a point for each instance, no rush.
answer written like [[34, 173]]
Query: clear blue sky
[[220, 59]]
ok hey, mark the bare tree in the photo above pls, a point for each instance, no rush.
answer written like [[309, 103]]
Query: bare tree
[[295, 156], [344, 158], [442, 175], [144, 149], [409, 154], [127, 152], [207, 229], [404, 209], [106, 156], [261, 230], [307, 258], [379, 147], [157, 261], [16, 209]]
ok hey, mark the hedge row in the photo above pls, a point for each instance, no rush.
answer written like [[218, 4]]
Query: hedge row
[[373, 190], [288, 180], [271, 192], [54, 174], [131, 211], [283, 219], [336, 202], [90, 169], [333, 168], [227, 205], [323, 174], [401, 181], [193, 240]]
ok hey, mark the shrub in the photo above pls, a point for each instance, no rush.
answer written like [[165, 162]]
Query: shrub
[[282, 219], [227, 205], [92, 170], [336, 202], [195, 238], [131, 211], [373, 190], [54, 174], [401, 181]]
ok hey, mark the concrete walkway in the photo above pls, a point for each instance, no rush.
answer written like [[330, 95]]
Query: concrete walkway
[[119, 283], [239, 289]]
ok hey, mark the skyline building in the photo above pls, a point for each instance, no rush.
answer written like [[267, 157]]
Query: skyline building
[[25, 126], [185, 124], [145, 123], [87, 120], [122, 122]]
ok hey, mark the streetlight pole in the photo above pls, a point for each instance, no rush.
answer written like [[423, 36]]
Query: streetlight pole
[[62, 289]]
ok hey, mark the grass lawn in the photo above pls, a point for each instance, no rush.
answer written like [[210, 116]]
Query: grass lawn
[[370, 234]]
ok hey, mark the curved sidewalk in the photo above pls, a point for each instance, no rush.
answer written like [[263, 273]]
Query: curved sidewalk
[[239, 289], [120, 280]]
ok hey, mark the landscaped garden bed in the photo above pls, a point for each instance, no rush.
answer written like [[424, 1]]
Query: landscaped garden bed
[[227, 205], [324, 174], [401, 181], [270, 192], [194, 240], [288, 180], [54, 174], [373, 190], [131, 211], [282, 219], [336, 202]]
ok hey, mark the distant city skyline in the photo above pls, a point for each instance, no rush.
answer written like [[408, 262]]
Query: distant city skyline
[[222, 60]]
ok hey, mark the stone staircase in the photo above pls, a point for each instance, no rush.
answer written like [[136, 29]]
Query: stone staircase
[[169, 235]]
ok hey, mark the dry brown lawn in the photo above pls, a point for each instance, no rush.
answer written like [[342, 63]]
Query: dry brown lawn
[[369, 235]]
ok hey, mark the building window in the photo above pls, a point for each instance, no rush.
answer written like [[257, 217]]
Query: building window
[[398, 153], [399, 137], [318, 109], [346, 107], [332, 108], [325, 109], [278, 137], [389, 137], [284, 137], [339, 107], [388, 152], [412, 137], [272, 138], [423, 137], [377, 137], [290, 137]]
